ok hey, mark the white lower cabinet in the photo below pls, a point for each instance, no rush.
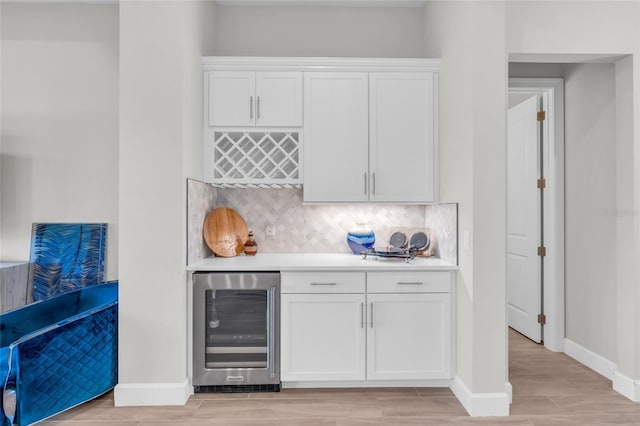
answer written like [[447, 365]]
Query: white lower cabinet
[[398, 328], [322, 337], [408, 336]]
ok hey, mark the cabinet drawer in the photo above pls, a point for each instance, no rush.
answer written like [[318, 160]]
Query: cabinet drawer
[[408, 282], [323, 282]]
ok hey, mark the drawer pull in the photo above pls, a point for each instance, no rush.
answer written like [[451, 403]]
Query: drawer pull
[[324, 283], [411, 283]]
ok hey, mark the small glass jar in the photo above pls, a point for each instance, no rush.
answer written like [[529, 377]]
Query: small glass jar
[[250, 247]]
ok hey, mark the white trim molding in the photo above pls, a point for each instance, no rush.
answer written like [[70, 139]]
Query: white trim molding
[[480, 404], [257, 63], [553, 217], [584, 356], [435, 383], [622, 384], [626, 387], [336, 3], [148, 394]]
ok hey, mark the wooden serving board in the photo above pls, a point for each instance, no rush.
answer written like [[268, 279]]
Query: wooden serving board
[[225, 232]]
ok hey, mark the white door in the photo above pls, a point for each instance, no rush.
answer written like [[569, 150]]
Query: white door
[[402, 137], [523, 220], [408, 336], [336, 136], [322, 337], [278, 99], [231, 98]]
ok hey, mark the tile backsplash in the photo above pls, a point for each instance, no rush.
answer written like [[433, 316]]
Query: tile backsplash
[[322, 228], [313, 228], [201, 199]]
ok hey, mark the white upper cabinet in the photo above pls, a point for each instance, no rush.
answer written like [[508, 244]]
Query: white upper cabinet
[[336, 137], [349, 129], [247, 98], [370, 137], [401, 137]]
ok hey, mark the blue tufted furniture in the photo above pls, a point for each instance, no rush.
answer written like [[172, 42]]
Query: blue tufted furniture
[[58, 353]]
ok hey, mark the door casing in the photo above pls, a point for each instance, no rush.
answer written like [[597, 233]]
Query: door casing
[[553, 300]]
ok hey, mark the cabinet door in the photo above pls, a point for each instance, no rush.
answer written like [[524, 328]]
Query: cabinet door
[[336, 137], [402, 151], [231, 98], [278, 99], [322, 337], [408, 336]]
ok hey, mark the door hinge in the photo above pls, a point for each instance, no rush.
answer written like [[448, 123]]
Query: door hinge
[[542, 183], [542, 251], [542, 319], [542, 115]]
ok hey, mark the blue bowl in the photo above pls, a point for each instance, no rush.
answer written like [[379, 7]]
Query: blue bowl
[[360, 242]]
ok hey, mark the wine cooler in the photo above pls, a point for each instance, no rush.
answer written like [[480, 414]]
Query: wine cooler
[[236, 330]]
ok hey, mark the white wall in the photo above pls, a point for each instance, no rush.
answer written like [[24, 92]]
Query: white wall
[[319, 31], [469, 38], [59, 150], [590, 197], [59, 121], [160, 138]]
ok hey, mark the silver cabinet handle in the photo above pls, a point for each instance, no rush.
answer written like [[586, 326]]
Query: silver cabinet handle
[[362, 315], [371, 314], [251, 107], [365, 183], [258, 107], [324, 283], [411, 283], [373, 185]]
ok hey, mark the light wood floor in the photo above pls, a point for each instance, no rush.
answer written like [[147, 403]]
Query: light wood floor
[[548, 389]]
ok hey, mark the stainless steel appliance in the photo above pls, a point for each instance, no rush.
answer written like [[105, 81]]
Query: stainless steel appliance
[[236, 331]]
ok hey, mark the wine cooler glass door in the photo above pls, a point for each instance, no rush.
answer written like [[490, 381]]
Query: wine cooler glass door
[[236, 329], [236, 333]]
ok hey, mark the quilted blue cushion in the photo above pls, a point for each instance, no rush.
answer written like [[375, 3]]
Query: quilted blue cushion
[[4, 368]]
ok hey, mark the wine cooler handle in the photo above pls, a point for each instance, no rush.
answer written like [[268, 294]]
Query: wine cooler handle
[[272, 331]]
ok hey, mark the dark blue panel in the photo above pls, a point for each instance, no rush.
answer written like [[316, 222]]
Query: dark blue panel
[[66, 256]]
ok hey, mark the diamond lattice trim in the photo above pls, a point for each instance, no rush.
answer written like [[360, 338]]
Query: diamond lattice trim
[[257, 157]]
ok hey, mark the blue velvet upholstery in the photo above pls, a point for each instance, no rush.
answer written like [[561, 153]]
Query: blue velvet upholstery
[[58, 353]]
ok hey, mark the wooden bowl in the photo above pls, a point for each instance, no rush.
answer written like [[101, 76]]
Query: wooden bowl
[[225, 232]]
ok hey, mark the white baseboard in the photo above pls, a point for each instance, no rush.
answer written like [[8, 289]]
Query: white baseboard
[[480, 404], [444, 383], [509, 390], [141, 394], [590, 359], [622, 384], [626, 386]]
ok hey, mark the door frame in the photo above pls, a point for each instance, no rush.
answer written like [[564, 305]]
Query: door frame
[[553, 300]]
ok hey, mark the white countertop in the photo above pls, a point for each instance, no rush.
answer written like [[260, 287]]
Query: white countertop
[[317, 261]]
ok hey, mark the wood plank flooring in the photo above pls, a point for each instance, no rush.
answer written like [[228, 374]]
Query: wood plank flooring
[[548, 389]]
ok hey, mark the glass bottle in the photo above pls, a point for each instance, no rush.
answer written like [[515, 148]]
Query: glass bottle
[[250, 247]]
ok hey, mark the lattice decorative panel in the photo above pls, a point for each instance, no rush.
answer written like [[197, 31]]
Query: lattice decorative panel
[[255, 158]]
